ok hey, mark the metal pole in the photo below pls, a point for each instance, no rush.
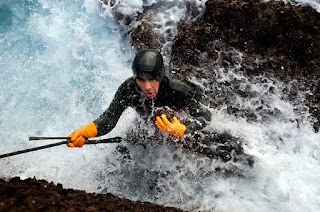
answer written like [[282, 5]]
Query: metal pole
[[107, 140], [47, 138]]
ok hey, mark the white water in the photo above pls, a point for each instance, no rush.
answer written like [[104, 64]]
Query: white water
[[61, 63], [313, 3]]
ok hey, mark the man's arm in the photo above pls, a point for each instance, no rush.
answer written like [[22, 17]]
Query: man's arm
[[201, 116], [181, 94], [109, 118], [106, 122]]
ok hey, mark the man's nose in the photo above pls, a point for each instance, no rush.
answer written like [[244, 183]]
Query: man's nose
[[147, 85]]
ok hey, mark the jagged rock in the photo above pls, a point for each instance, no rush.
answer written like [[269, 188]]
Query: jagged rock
[[40, 195], [285, 39], [144, 37]]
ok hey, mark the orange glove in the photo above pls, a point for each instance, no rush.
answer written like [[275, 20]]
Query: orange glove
[[89, 130], [174, 128]]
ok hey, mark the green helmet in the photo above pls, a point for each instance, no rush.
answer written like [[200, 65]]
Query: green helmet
[[148, 63]]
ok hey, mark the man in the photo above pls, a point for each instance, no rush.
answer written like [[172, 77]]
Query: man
[[148, 89]]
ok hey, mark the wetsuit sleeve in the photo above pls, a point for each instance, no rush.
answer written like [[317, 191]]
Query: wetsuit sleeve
[[201, 116], [109, 118]]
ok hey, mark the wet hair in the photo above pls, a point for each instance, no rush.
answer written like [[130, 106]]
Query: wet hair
[[148, 63]]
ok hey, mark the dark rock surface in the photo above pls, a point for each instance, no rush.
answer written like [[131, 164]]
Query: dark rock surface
[[39, 195], [284, 38]]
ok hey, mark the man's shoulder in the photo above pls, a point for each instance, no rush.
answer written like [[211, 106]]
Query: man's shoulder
[[127, 87], [128, 84], [129, 81], [182, 86], [127, 93]]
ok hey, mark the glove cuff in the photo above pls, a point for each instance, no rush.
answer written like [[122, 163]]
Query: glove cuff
[[90, 129]]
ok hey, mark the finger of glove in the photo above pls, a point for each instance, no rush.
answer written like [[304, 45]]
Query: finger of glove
[[76, 134], [70, 144], [70, 136], [180, 130], [160, 123], [165, 120], [175, 120], [79, 142]]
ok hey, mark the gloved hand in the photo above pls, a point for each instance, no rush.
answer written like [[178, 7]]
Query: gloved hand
[[174, 128], [89, 130]]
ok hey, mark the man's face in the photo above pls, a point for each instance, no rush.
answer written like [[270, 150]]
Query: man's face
[[149, 87]]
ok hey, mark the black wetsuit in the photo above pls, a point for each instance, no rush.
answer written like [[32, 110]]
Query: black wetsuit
[[175, 94]]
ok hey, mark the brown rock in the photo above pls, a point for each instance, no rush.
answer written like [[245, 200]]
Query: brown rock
[[143, 37], [39, 195], [285, 39]]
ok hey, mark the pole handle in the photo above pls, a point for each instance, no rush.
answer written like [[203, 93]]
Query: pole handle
[[33, 138]]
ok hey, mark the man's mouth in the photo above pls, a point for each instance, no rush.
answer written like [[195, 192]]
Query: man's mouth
[[149, 94]]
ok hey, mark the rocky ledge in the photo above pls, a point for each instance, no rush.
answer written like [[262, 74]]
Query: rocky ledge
[[39, 195], [275, 39]]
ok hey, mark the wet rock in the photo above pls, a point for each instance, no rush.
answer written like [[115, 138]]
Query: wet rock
[[274, 38], [144, 37], [273, 29], [40, 195]]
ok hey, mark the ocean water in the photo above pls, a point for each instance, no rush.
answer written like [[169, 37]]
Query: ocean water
[[312, 3], [61, 63]]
